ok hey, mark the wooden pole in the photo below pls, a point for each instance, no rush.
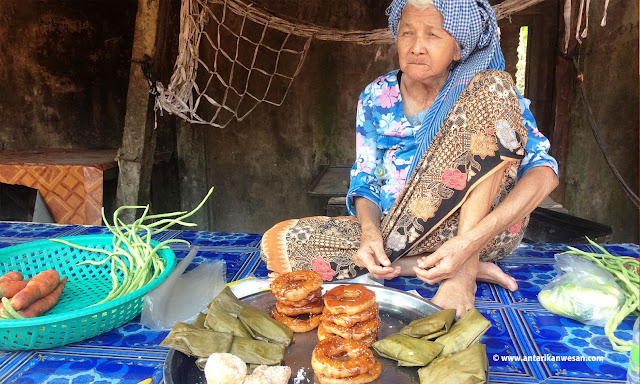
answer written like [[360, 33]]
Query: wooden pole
[[139, 139], [563, 99]]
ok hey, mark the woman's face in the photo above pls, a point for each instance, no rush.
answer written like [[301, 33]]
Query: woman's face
[[425, 49]]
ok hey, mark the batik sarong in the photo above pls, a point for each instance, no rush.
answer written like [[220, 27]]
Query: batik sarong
[[482, 134]]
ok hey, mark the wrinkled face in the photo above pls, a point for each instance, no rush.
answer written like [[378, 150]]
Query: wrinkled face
[[425, 49]]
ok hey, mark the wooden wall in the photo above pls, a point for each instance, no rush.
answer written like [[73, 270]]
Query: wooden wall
[[65, 71]]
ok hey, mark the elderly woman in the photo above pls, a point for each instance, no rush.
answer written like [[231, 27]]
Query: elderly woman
[[440, 145]]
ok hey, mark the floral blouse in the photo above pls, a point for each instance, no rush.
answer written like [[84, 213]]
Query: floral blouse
[[385, 144]]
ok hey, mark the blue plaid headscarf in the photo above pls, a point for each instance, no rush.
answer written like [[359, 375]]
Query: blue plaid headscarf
[[473, 24]]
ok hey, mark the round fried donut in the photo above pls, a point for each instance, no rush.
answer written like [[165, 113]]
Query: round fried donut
[[345, 320], [311, 298], [349, 299], [296, 324], [336, 357], [296, 285], [364, 378], [313, 308], [357, 332], [323, 333]]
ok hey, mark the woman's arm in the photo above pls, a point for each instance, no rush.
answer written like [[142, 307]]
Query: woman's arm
[[528, 193], [363, 181], [363, 198], [537, 146], [371, 252]]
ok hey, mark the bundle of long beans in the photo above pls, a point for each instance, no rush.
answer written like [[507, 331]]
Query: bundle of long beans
[[626, 271], [133, 243]]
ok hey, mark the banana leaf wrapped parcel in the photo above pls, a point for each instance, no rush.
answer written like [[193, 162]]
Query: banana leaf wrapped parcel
[[228, 314], [228, 302], [231, 326], [199, 342], [407, 351], [455, 356], [220, 321], [257, 351], [251, 351], [199, 320], [464, 332], [468, 366], [264, 327], [432, 326]]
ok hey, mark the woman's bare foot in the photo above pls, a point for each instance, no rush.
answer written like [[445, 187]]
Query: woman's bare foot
[[491, 273], [458, 292]]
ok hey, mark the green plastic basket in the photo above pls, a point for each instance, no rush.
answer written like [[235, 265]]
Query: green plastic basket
[[74, 318]]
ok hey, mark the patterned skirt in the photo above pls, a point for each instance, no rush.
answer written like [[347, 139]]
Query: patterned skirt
[[482, 134]]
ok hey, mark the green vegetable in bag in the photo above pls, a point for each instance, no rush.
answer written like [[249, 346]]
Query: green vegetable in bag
[[626, 272], [582, 291]]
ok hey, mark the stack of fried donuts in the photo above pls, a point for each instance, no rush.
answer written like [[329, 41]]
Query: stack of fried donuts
[[339, 361], [351, 312], [299, 302]]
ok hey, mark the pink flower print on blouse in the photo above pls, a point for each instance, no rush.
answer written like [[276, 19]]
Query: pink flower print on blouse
[[455, 179], [515, 228], [388, 97], [322, 268], [359, 140], [360, 114], [366, 159], [363, 165], [398, 129], [536, 132], [400, 177]]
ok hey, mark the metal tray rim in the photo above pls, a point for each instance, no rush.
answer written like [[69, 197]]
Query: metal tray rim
[[166, 370]]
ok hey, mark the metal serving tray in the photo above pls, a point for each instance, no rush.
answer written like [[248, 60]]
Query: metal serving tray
[[397, 309]]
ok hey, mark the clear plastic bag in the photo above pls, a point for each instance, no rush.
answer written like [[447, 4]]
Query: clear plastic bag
[[181, 297], [582, 291]]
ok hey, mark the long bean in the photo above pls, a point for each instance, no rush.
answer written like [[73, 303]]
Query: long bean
[[133, 242], [9, 312], [626, 272]]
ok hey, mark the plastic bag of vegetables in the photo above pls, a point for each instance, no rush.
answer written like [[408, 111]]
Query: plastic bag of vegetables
[[582, 291]]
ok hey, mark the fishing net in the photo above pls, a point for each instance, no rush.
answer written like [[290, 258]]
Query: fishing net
[[252, 58]]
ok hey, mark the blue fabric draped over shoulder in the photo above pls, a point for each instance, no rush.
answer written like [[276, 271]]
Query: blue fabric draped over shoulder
[[386, 144], [473, 24]]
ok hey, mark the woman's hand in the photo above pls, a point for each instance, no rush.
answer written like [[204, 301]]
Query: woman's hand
[[371, 253], [372, 256], [446, 261]]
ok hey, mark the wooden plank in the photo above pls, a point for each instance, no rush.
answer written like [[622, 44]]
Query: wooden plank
[[563, 99], [138, 140], [543, 30]]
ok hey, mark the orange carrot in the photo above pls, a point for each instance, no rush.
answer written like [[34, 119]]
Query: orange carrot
[[11, 276], [10, 288], [44, 304], [38, 287]]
